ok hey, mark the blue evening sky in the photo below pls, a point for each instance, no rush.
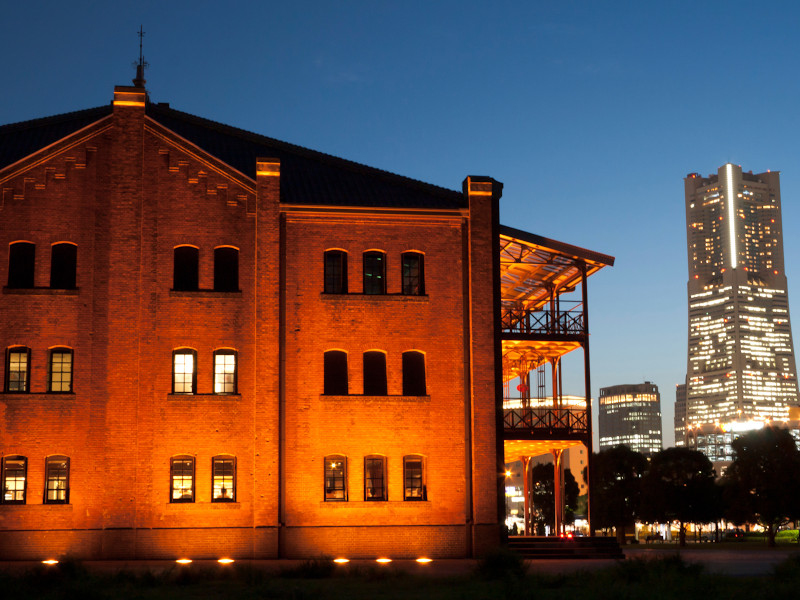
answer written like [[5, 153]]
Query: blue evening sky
[[591, 113]]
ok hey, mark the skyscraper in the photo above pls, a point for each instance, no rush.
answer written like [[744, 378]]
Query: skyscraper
[[741, 369], [631, 415], [680, 414]]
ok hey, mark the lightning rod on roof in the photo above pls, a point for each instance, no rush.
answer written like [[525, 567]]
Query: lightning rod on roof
[[139, 81]]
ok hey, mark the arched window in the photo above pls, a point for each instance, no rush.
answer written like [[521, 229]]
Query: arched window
[[374, 373], [413, 274], [63, 266], [374, 272], [335, 272], [225, 371], [414, 484], [60, 370], [335, 478], [181, 474], [414, 374], [13, 480], [185, 273], [18, 368], [21, 264], [223, 479], [335, 373], [375, 478], [226, 269], [184, 371], [56, 473]]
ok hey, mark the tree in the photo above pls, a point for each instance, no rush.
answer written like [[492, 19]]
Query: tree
[[617, 474], [679, 486], [762, 483], [543, 496]]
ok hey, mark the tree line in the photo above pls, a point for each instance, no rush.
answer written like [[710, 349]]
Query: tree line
[[761, 485]]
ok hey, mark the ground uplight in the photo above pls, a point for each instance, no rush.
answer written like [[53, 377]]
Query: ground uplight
[[184, 561]]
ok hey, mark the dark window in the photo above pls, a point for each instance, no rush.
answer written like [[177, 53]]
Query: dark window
[[185, 271], [56, 473], [60, 378], [225, 372], [223, 479], [336, 373], [374, 273], [18, 368], [63, 266], [374, 374], [374, 478], [184, 371], [414, 374], [335, 478], [335, 272], [14, 479], [413, 275], [21, 263], [226, 269], [182, 479], [414, 478]]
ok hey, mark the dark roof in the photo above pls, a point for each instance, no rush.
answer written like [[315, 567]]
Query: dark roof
[[307, 177], [19, 140]]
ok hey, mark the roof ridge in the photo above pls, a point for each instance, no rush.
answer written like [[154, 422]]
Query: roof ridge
[[306, 152], [22, 125]]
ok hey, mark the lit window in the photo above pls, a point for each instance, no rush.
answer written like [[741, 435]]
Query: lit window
[[226, 269], [374, 273], [225, 373], [18, 367], [335, 272], [63, 266], [413, 279], [374, 478], [21, 264], [185, 274], [60, 370], [14, 479], [374, 373], [184, 371], [414, 478], [56, 480], [223, 479], [335, 375], [335, 478], [182, 478], [414, 374]]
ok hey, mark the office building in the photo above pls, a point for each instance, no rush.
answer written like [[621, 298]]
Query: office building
[[741, 368], [630, 415], [680, 414]]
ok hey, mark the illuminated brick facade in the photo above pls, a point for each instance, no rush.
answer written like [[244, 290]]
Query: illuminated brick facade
[[741, 364], [165, 371]]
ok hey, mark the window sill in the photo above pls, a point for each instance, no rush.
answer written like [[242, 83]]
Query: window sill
[[361, 397], [204, 294], [60, 507], [183, 506], [174, 396], [36, 394], [374, 503], [40, 291], [375, 297]]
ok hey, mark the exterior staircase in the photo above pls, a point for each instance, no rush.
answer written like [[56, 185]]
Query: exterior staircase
[[533, 547]]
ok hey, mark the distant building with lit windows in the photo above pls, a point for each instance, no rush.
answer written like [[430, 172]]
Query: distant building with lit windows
[[680, 414], [630, 415], [741, 368]]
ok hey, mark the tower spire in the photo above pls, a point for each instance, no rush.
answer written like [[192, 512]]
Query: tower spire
[[139, 81]]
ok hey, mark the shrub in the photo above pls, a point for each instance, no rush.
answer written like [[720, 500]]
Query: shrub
[[501, 563]]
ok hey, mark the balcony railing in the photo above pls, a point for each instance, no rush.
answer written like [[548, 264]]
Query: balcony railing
[[546, 422], [562, 322]]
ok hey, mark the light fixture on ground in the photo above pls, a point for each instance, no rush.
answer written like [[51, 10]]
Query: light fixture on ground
[[50, 561], [225, 561], [424, 561], [184, 561], [383, 561], [341, 561]]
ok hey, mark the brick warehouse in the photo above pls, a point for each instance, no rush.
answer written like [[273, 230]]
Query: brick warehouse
[[219, 344]]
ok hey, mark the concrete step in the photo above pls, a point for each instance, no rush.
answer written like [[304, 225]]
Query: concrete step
[[564, 548]]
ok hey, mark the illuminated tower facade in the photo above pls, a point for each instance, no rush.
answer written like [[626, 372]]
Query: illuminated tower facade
[[631, 415], [741, 367]]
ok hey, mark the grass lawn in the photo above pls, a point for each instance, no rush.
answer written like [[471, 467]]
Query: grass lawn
[[499, 576]]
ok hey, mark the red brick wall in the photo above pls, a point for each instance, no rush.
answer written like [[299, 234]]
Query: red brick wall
[[127, 195]]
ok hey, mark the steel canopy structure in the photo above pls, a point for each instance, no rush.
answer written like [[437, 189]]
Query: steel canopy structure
[[538, 328]]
